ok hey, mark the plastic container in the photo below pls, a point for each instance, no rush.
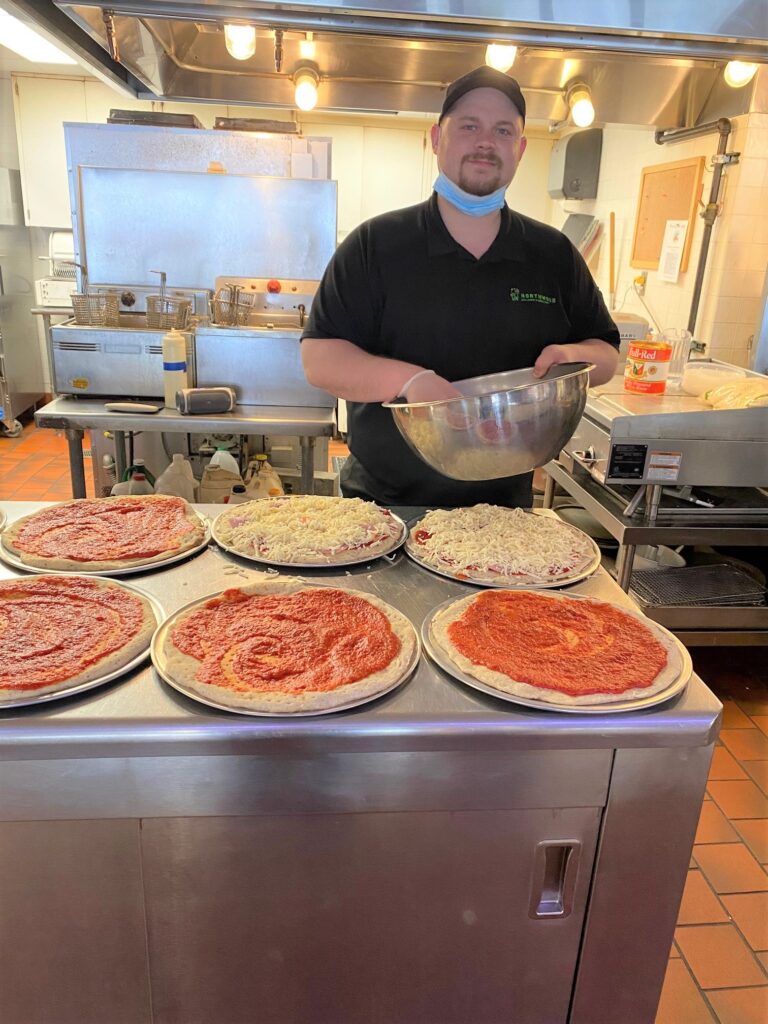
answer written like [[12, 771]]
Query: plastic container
[[238, 494], [647, 367], [221, 457], [175, 480], [264, 481], [217, 483], [137, 466], [680, 341], [175, 376], [138, 484], [700, 376]]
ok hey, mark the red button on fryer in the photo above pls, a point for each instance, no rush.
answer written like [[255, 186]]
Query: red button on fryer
[[274, 286]]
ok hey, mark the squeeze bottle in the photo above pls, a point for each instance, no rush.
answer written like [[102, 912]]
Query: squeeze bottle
[[175, 375]]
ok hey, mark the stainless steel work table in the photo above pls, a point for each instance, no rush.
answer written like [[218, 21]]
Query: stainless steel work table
[[76, 415], [434, 857]]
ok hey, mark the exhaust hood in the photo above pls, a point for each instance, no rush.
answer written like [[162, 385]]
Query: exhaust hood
[[656, 64]]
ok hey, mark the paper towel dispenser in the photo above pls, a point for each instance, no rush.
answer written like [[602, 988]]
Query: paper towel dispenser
[[574, 167]]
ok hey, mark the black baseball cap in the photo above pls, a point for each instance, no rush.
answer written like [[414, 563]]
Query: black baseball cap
[[483, 78]]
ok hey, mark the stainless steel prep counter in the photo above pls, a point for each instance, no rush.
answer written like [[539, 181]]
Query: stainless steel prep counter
[[76, 415], [436, 856]]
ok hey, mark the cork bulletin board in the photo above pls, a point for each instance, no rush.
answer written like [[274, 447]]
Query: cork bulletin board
[[667, 192]]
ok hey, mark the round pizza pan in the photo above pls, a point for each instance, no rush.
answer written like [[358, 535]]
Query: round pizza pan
[[159, 663], [68, 691], [2, 518], [509, 584], [355, 559], [638, 704], [10, 558]]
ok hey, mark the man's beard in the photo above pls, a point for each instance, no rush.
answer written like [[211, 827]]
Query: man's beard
[[479, 188]]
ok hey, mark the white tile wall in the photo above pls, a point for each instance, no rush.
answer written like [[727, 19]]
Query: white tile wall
[[730, 300]]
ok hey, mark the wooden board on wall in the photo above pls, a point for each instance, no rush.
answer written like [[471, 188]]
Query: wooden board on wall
[[667, 192]]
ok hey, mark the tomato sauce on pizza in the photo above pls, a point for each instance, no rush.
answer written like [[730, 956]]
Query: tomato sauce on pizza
[[558, 644], [311, 640], [110, 529], [53, 629]]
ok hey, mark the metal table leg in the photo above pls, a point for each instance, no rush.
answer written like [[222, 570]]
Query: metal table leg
[[118, 437], [74, 438], [624, 560], [307, 485], [549, 492]]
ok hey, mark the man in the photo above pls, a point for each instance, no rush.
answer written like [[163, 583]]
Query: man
[[455, 287]]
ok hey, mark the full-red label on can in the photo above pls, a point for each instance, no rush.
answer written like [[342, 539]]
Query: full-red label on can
[[647, 367]]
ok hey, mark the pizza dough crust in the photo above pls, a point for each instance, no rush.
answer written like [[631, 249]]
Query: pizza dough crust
[[134, 646], [182, 668], [303, 555], [587, 555], [499, 681], [193, 539]]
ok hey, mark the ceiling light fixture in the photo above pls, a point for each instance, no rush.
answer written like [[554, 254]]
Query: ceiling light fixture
[[579, 101], [28, 44], [500, 56], [308, 47], [306, 80], [738, 73], [240, 41]]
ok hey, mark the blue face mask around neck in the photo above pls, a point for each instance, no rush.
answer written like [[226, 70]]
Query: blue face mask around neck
[[475, 206]]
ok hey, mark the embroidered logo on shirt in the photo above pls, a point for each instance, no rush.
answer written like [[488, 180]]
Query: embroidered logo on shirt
[[517, 296]]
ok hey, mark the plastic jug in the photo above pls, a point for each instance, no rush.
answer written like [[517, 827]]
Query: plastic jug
[[137, 466], [263, 481], [175, 375], [175, 480], [238, 495], [138, 484], [221, 457], [217, 483]]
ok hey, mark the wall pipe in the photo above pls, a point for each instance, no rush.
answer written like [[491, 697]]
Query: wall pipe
[[723, 127]]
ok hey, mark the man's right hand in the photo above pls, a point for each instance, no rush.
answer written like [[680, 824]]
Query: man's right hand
[[431, 388]]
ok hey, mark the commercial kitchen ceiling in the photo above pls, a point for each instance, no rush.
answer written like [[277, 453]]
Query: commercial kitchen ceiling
[[645, 63]]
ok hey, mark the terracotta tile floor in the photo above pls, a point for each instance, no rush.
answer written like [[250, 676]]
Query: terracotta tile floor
[[718, 966]]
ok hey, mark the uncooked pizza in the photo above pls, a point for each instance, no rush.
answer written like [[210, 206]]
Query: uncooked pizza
[[59, 631], [307, 530], [501, 546], [284, 647], [548, 647], [105, 534]]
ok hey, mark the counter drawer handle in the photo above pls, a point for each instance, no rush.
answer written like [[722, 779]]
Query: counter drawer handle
[[555, 867]]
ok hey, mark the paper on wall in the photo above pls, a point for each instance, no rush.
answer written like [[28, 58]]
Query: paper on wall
[[672, 250]]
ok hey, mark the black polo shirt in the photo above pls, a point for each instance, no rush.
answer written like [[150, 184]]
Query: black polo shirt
[[400, 286]]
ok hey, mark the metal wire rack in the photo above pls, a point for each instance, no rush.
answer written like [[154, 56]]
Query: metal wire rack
[[705, 585]]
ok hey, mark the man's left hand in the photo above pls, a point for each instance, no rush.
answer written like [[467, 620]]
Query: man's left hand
[[551, 356], [591, 350]]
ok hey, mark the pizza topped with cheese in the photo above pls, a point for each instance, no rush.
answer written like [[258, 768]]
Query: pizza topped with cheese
[[105, 534], [282, 647], [558, 649], [60, 631], [502, 546], [305, 529]]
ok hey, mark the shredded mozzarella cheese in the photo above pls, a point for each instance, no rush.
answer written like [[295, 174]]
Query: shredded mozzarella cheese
[[305, 528], [487, 540]]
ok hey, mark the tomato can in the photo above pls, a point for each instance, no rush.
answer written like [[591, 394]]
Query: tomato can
[[647, 367]]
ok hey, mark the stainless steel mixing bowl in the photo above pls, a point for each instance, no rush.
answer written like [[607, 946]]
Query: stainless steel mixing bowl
[[508, 423]]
